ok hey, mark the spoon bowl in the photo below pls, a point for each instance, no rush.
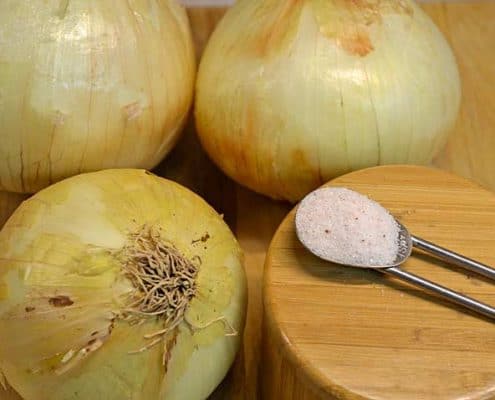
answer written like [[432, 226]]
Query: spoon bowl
[[404, 249]]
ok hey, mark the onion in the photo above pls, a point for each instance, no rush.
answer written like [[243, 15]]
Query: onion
[[87, 85], [118, 285], [293, 93]]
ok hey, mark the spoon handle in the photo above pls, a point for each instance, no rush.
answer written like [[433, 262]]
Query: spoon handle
[[453, 258], [441, 291]]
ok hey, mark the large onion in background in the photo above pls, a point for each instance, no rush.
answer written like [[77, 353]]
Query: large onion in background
[[293, 93], [72, 310], [90, 84]]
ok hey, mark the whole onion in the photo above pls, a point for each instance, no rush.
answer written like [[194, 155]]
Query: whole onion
[[118, 285], [90, 84], [292, 93]]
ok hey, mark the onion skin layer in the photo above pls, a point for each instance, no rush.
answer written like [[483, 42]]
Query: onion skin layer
[[293, 93], [61, 288], [88, 85]]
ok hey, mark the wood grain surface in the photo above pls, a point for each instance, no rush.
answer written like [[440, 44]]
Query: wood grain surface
[[470, 29], [9, 393], [336, 332], [8, 203], [470, 152]]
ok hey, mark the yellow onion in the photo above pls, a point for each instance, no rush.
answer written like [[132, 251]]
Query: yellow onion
[[118, 285], [292, 93], [90, 84]]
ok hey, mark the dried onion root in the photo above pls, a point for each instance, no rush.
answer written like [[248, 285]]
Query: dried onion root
[[165, 282]]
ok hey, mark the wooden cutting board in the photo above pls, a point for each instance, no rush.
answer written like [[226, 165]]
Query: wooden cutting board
[[333, 332], [9, 394]]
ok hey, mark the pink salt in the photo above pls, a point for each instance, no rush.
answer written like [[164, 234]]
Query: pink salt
[[340, 225]]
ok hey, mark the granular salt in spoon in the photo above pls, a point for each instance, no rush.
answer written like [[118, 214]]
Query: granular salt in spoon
[[345, 227]]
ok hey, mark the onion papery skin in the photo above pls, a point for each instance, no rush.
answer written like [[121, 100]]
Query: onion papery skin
[[293, 93], [90, 84], [61, 288]]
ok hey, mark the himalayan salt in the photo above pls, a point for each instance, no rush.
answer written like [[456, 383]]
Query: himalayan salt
[[340, 225]]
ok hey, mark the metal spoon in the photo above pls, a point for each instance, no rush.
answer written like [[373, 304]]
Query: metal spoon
[[406, 242]]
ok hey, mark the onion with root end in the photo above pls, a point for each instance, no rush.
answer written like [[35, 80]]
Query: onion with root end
[[90, 84], [118, 285], [292, 93]]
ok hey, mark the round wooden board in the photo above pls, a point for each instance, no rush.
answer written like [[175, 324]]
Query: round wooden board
[[333, 332], [7, 393]]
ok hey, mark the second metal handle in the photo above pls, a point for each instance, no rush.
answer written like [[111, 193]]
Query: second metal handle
[[442, 291]]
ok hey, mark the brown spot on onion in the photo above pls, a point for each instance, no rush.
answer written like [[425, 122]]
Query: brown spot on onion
[[60, 301], [203, 238], [111, 326], [358, 43], [167, 351]]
